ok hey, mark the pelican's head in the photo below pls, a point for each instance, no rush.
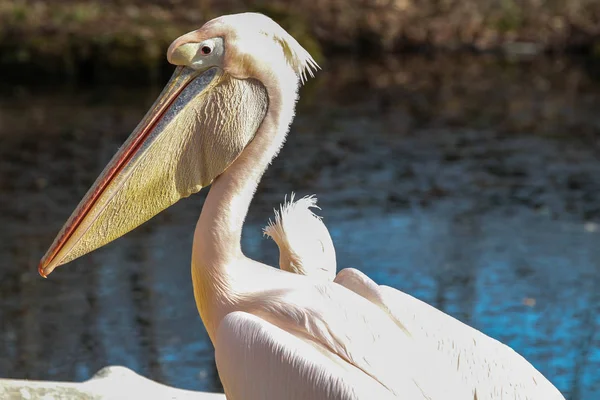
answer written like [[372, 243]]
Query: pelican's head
[[206, 115], [247, 45], [305, 246]]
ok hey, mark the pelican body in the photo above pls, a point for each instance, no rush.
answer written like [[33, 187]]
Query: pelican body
[[306, 248], [220, 121]]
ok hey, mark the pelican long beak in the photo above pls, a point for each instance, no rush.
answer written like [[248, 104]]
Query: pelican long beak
[[180, 146]]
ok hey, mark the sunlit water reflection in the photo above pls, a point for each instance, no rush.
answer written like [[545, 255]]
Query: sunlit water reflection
[[489, 215]]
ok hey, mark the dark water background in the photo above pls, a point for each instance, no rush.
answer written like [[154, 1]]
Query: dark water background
[[469, 182]]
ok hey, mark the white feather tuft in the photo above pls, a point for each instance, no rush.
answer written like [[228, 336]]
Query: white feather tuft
[[305, 246], [290, 211]]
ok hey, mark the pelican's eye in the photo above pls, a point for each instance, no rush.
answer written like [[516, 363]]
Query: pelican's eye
[[206, 50]]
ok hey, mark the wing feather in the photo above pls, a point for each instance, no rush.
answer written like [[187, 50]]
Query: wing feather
[[351, 328], [489, 368], [257, 360]]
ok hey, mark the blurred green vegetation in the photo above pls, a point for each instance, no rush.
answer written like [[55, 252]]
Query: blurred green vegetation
[[98, 36]]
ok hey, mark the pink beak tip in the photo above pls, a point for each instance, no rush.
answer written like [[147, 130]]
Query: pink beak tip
[[41, 270]]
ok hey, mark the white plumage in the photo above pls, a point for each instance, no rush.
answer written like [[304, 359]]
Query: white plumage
[[305, 246]]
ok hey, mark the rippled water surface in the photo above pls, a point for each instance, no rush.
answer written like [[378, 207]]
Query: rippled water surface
[[470, 183]]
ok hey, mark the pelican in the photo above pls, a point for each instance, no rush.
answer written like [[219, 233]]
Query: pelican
[[220, 121]]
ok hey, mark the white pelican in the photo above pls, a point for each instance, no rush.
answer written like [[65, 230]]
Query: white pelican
[[221, 119]]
